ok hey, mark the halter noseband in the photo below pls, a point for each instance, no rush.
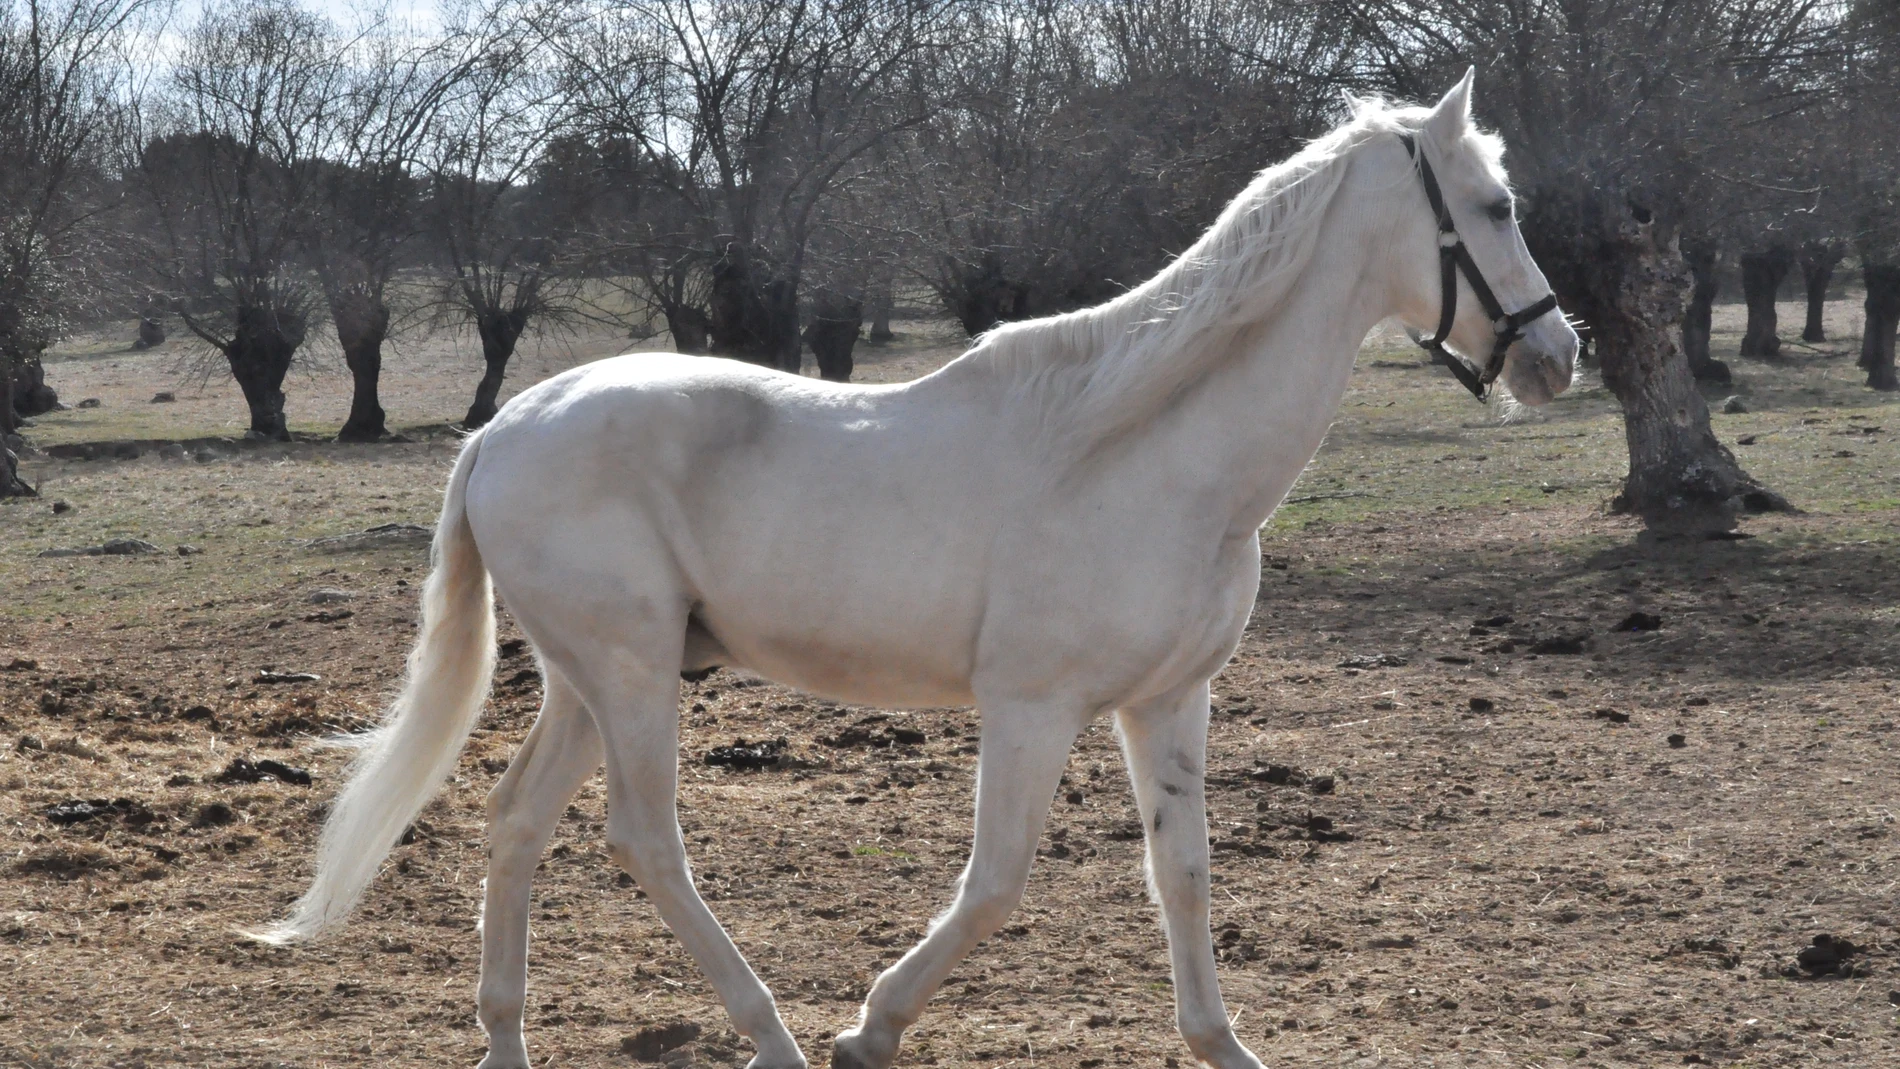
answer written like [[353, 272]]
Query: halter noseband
[[1453, 257]]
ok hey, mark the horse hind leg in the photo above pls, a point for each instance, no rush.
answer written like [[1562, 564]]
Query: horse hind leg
[[633, 693], [561, 751]]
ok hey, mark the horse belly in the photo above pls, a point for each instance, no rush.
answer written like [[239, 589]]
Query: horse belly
[[862, 653], [842, 588]]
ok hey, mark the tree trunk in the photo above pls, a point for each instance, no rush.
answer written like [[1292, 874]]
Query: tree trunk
[[1762, 273], [980, 295], [1702, 259], [1817, 270], [882, 299], [260, 351], [27, 386], [1883, 322], [1614, 264], [362, 323], [688, 326], [751, 315], [499, 330], [833, 334], [11, 485]]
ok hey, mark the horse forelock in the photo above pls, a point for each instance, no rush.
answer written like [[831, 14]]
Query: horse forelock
[[1094, 373]]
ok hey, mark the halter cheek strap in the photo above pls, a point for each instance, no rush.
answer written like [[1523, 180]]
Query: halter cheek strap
[[1453, 257]]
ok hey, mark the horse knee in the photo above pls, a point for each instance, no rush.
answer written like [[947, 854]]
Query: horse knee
[[509, 836]]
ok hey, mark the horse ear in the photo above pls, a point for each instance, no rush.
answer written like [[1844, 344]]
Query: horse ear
[[1355, 106], [1451, 118]]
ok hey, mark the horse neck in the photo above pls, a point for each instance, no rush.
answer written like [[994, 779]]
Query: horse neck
[[1241, 435]]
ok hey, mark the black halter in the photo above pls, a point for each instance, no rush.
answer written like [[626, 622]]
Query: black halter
[[1452, 258]]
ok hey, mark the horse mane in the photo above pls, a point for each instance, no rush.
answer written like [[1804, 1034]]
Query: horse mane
[[1099, 371]]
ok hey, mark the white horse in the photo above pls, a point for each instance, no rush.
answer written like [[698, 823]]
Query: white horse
[[1059, 524]]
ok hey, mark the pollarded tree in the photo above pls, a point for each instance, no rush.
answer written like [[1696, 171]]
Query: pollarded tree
[[1871, 52], [366, 192], [1079, 146], [752, 114], [1818, 258], [1763, 272], [58, 112], [227, 184], [497, 256], [1617, 115], [1880, 271]]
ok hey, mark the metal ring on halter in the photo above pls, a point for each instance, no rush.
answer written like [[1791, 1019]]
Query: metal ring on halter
[[1453, 258]]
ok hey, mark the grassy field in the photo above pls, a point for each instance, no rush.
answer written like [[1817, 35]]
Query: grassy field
[[1550, 841]]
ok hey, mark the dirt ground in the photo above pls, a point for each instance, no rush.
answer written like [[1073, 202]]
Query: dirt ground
[[1494, 782]]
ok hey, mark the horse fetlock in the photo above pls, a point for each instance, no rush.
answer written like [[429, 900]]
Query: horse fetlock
[[1215, 1045], [510, 1055], [778, 1060]]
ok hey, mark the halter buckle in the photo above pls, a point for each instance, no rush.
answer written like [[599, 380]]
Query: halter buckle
[[1448, 239]]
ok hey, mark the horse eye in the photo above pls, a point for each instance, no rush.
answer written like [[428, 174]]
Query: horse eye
[[1499, 210]]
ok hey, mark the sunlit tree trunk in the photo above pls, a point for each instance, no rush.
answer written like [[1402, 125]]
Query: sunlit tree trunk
[[1619, 268], [499, 330], [362, 324]]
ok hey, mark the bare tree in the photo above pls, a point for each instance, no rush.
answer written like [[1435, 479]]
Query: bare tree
[[58, 112], [1703, 257], [497, 256], [1818, 258], [228, 183], [1880, 272], [1618, 116], [752, 115], [1871, 36], [1763, 272], [367, 195], [1075, 147]]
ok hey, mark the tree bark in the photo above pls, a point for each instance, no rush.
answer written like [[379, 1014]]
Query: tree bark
[[1702, 259], [362, 324], [1883, 322], [753, 316], [1617, 265], [499, 331], [1762, 274], [259, 353], [833, 334], [1818, 259]]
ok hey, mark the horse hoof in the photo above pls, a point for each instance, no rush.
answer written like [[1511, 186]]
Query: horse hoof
[[855, 1050], [492, 1061]]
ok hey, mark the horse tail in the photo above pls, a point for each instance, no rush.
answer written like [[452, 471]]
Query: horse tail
[[402, 762]]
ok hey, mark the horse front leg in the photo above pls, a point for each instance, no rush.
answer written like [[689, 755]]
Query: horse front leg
[[1166, 745], [560, 752], [1022, 754]]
